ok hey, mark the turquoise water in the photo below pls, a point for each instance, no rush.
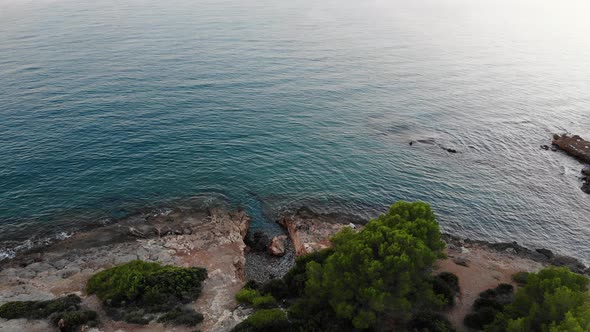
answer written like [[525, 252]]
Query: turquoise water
[[108, 106]]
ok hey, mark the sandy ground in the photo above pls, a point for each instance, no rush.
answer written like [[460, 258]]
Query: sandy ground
[[486, 268]]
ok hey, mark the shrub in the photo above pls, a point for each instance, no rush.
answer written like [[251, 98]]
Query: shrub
[[17, 309], [39, 309], [554, 299], [146, 284], [265, 320], [520, 278], [451, 280], [73, 319], [441, 288], [490, 303], [479, 319], [181, 316], [247, 295], [137, 287], [275, 287], [266, 301], [481, 303], [429, 322], [504, 289]]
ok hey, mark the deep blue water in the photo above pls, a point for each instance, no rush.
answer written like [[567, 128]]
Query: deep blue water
[[107, 106]]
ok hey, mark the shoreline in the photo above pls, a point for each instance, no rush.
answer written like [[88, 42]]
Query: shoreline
[[217, 240], [111, 233]]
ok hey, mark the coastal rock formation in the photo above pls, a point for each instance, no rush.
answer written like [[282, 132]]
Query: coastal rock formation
[[542, 256], [213, 239], [277, 245], [310, 231], [579, 148], [586, 179], [575, 146]]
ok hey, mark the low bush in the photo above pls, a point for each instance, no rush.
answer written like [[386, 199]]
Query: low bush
[[65, 309], [487, 302], [39, 309], [451, 280], [277, 288], [146, 284], [181, 316], [479, 319], [490, 303], [71, 320], [255, 298], [441, 288], [520, 278], [504, 289], [247, 295], [131, 290], [265, 301], [429, 322], [268, 320]]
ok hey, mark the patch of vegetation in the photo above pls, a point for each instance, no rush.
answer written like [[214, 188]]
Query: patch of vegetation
[[265, 301], [451, 280], [277, 288], [554, 299], [489, 304], [429, 322], [446, 285], [265, 320], [254, 298], [71, 320], [132, 290], [39, 309], [181, 316], [65, 309], [247, 295], [520, 278]]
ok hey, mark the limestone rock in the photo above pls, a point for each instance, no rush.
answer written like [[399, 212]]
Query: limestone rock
[[277, 245]]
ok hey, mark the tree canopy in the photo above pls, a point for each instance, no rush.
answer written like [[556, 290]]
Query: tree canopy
[[381, 273], [552, 300]]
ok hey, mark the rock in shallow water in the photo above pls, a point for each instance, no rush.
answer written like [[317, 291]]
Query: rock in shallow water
[[277, 245]]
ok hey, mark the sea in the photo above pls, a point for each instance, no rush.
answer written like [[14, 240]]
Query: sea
[[109, 107]]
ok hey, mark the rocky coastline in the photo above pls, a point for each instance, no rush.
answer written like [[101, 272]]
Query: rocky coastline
[[578, 148], [213, 239], [217, 240]]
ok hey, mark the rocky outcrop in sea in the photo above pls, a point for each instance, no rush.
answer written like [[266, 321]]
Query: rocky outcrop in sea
[[578, 148]]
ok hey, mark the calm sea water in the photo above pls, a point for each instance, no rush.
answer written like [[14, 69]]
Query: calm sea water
[[107, 106]]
